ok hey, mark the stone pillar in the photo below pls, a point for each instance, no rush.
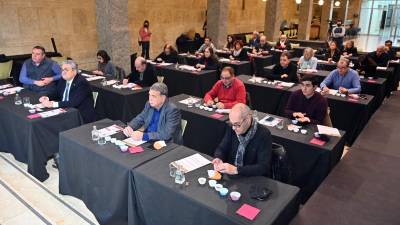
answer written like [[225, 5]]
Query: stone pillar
[[217, 21], [305, 17], [323, 32], [112, 31], [273, 19]]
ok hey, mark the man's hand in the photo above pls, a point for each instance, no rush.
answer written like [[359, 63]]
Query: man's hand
[[47, 80], [39, 83], [48, 104], [220, 105], [125, 81], [216, 162], [304, 119], [43, 99], [209, 102], [128, 131], [284, 75], [325, 90], [228, 169], [343, 90], [298, 115], [137, 135]]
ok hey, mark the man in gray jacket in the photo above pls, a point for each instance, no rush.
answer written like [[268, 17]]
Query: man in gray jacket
[[160, 119]]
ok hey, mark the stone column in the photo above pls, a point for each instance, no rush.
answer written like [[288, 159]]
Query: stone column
[[305, 17], [217, 21], [112, 31], [323, 32], [273, 19]]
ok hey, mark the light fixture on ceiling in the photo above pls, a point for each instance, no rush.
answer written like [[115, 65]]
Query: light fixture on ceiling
[[298, 1], [321, 2], [337, 3], [264, 0]]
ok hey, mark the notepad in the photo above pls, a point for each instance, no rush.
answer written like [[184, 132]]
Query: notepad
[[331, 131], [316, 141], [217, 116], [248, 211], [135, 150], [191, 163]]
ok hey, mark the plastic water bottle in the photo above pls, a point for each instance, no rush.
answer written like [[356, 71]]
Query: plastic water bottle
[[95, 134], [255, 115], [18, 99], [179, 176]]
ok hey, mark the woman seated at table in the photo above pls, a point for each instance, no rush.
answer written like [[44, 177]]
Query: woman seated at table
[[308, 61], [105, 67], [239, 53], [349, 50], [283, 43], [333, 53], [284, 70], [169, 55], [229, 46], [208, 61]]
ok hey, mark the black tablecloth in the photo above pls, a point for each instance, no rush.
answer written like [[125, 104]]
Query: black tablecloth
[[260, 62], [119, 104], [391, 77], [164, 202], [187, 82], [265, 97], [240, 67], [32, 141], [197, 134], [99, 175], [347, 115], [310, 163], [187, 59]]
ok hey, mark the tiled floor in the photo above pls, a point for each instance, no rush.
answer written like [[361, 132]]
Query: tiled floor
[[27, 201]]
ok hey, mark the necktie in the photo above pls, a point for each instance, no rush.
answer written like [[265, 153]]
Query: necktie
[[66, 92]]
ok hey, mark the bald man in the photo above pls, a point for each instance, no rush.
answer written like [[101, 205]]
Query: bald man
[[143, 75], [246, 149]]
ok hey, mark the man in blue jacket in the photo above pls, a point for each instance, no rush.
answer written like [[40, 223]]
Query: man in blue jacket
[[160, 119]]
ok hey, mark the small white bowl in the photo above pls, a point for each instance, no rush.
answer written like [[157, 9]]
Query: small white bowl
[[212, 183], [223, 191], [201, 107], [343, 95], [296, 130], [295, 121], [235, 196], [108, 138], [123, 148], [119, 143], [32, 111], [113, 140], [218, 187], [202, 180], [303, 131]]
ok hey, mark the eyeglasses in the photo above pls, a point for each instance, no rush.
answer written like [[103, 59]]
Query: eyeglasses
[[66, 70], [225, 78], [238, 125]]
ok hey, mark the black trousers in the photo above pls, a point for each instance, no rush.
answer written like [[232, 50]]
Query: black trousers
[[146, 49]]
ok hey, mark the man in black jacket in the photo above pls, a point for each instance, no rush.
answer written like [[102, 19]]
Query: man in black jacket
[[246, 149], [73, 91], [143, 76]]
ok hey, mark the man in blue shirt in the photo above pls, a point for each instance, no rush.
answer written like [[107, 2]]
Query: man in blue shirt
[[343, 79], [38, 73], [160, 119]]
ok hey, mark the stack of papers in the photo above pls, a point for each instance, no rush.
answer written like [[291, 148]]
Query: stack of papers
[[95, 78], [10, 91], [256, 79], [186, 101], [5, 86], [191, 163], [224, 60], [133, 143], [111, 130], [268, 122], [223, 111], [286, 84], [187, 67], [51, 113], [328, 131]]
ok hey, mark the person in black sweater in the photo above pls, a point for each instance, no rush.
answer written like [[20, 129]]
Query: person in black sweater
[[169, 55], [333, 53], [208, 61], [349, 49], [239, 53], [143, 75], [246, 149], [390, 50], [284, 70], [283, 43]]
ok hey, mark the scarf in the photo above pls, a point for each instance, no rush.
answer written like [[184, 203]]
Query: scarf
[[243, 142]]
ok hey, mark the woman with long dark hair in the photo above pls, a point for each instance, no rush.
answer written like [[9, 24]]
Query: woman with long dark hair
[[104, 65], [145, 36]]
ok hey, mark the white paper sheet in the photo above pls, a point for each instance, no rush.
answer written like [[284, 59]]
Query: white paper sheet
[[381, 68], [133, 143], [186, 101], [51, 113], [5, 86], [12, 90], [186, 67], [108, 131], [95, 78], [191, 163], [328, 131], [272, 123]]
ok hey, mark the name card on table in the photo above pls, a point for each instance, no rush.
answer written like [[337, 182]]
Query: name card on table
[[248, 211], [191, 163]]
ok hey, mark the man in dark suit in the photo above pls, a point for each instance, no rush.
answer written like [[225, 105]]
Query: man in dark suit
[[143, 76], [246, 149], [160, 119], [73, 91]]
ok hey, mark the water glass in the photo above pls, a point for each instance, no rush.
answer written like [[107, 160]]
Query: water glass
[[18, 99], [280, 125], [172, 170], [190, 102], [26, 101], [179, 176], [101, 140]]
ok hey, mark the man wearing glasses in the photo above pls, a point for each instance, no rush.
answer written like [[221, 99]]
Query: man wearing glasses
[[246, 149], [307, 105], [73, 91], [226, 92], [343, 79]]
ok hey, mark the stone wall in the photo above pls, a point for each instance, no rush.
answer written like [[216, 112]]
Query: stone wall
[[26, 23]]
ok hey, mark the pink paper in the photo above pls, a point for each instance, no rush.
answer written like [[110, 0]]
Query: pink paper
[[371, 81], [1, 97], [316, 141], [33, 116], [217, 116], [279, 87], [353, 100], [134, 150], [248, 211]]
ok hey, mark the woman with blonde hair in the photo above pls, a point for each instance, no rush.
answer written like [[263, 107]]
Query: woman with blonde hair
[[308, 61]]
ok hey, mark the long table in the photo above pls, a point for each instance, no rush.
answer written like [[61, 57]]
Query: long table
[[100, 175], [196, 83], [164, 202], [32, 141]]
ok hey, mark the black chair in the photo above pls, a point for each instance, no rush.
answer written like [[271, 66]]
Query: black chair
[[248, 100], [120, 75], [280, 164]]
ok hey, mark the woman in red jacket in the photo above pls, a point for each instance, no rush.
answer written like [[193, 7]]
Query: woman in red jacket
[[145, 36]]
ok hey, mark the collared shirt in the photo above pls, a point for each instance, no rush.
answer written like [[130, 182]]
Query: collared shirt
[[66, 92], [153, 126], [350, 81], [26, 80]]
